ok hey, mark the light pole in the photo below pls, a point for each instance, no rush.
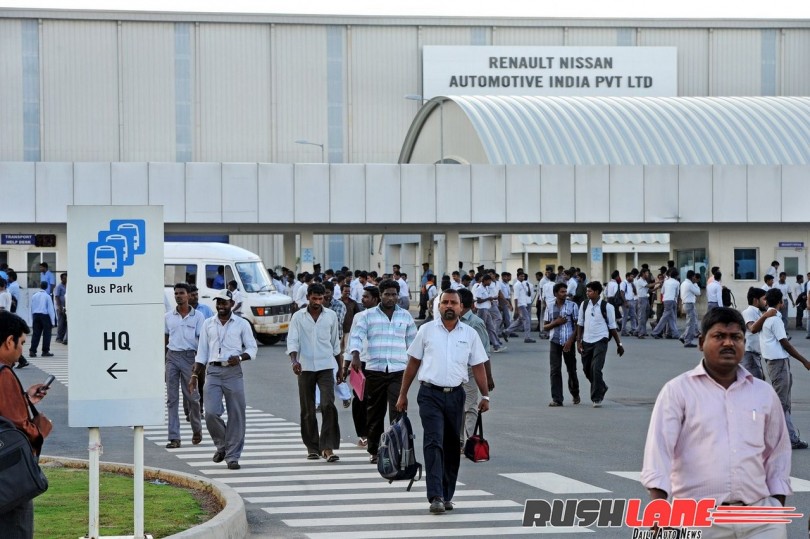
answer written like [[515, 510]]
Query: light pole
[[421, 99], [303, 141]]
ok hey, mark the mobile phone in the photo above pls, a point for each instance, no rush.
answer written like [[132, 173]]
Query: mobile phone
[[49, 381]]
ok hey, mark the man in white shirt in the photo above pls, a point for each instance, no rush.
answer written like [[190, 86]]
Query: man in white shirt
[[404, 300], [596, 324], [775, 350], [768, 282], [752, 358], [523, 301], [643, 283], [440, 355], [455, 280], [669, 318], [714, 292], [800, 302], [313, 345], [485, 295], [628, 288], [689, 292], [773, 269], [787, 295], [547, 291]]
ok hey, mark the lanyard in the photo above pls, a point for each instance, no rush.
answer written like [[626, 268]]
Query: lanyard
[[222, 334]]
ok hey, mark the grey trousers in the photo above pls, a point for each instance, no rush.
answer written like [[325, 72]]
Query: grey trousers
[[691, 330], [523, 319], [752, 361], [404, 302], [486, 316], [497, 319], [642, 315], [668, 319], [784, 311], [226, 382], [742, 531], [470, 407], [782, 381], [329, 437], [178, 372], [629, 318]]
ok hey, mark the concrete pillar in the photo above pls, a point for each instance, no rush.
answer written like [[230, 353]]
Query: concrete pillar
[[452, 253], [714, 255], [595, 270], [307, 253], [564, 249], [426, 250], [288, 258]]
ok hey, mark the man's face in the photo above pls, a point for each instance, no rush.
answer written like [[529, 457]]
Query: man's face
[[43, 269], [593, 295], [456, 278], [223, 308], [327, 296], [367, 300], [761, 304], [63, 278], [781, 279], [486, 281], [194, 298], [11, 352], [630, 278], [561, 293], [180, 296], [450, 306], [506, 278], [723, 347], [345, 292], [389, 298], [315, 302]]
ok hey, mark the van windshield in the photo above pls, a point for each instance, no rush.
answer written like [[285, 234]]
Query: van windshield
[[254, 277]]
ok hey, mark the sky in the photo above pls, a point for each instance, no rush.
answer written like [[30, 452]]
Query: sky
[[713, 9]]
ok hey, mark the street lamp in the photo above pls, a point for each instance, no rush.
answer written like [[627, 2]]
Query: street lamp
[[303, 141], [421, 99]]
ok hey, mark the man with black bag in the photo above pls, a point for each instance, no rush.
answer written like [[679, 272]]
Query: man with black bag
[[15, 406]]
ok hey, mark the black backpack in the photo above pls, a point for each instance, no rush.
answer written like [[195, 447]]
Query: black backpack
[[728, 298], [396, 457]]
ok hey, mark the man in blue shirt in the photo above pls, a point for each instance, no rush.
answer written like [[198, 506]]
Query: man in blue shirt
[[44, 318], [46, 276]]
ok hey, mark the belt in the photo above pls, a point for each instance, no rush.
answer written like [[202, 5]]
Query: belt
[[440, 388], [743, 504], [219, 363]]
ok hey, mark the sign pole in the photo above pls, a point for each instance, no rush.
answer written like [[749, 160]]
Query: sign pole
[[138, 480], [94, 447]]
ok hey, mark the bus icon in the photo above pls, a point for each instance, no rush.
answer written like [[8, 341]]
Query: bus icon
[[106, 258]]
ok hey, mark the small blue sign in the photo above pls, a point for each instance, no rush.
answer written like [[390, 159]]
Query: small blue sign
[[116, 248], [792, 244], [18, 239]]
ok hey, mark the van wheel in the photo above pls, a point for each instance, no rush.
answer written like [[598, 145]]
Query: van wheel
[[269, 340]]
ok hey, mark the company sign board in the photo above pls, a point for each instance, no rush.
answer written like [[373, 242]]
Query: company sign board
[[115, 297], [550, 71]]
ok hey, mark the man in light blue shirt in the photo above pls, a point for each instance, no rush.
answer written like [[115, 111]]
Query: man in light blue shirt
[[313, 344], [389, 330], [44, 319], [46, 276]]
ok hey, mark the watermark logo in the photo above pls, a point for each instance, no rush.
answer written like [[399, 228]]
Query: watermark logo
[[650, 521]]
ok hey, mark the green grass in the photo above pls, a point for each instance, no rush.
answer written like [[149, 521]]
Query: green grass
[[63, 510]]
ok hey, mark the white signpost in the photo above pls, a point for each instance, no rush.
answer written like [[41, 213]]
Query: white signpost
[[549, 71], [116, 357]]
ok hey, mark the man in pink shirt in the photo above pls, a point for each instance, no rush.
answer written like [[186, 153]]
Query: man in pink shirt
[[717, 432]]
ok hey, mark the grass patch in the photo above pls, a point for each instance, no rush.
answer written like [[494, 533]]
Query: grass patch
[[63, 510]]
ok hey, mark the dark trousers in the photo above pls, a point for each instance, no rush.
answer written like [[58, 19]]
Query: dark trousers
[[200, 385], [18, 523], [382, 390], [423, 304], [556, 357], [359, 415], [329, 437], [41, 330], [61, 325], [799, 317], [593, 361], [441, 415]]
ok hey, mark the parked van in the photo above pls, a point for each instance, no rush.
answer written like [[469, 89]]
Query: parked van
[[210, 266]]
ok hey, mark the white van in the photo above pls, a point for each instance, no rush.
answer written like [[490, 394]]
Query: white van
[[210, 266]]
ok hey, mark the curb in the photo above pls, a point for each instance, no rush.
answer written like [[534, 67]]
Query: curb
[[229, 523]]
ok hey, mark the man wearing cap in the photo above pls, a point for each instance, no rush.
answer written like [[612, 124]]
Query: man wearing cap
[[225, 342]]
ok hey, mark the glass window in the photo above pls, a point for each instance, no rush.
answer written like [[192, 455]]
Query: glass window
[[218, 276], [695, 260], [254, 277], [179, 273], [791, 266], [34, 259], [746, 264]]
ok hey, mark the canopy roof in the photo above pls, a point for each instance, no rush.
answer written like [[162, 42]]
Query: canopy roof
[[631, 130]]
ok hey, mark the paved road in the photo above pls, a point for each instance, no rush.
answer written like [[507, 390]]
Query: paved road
[[538, 452]]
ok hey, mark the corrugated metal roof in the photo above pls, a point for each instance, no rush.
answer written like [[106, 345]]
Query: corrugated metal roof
[[635, 130]]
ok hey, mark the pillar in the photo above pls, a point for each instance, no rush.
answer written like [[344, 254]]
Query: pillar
[[288, 257], [486, 251], [595, 270], [564, 249], [307, 253], [451, 252], [426, 250]]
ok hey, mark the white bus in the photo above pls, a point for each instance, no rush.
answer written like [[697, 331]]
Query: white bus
[[210, 266]]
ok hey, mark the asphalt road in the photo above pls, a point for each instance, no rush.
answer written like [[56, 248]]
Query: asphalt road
[[573, 452]]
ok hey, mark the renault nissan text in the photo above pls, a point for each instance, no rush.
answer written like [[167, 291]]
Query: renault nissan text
[[210, 266]]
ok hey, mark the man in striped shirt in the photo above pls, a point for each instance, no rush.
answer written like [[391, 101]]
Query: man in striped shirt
[[389, 330], [560, 321]]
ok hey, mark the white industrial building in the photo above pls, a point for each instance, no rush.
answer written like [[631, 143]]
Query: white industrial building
[[286, 133]]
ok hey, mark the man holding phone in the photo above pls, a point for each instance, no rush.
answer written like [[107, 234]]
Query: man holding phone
[[560, 322], [14, 406]]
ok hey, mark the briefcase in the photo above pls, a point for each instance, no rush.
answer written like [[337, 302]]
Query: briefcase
[[21, 478], [476, 448]]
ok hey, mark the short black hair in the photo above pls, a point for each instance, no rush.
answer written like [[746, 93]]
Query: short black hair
[[12, 326], [721, 315], [373, 291], [754, 293], [388, 283], [184, 286], [596, 286], [466, 298], [558, 286], [773, 297], [315, 288]]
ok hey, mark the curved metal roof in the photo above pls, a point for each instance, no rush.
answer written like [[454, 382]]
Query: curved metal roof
[[634, 130]]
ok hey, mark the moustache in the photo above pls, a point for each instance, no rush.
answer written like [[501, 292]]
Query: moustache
[[728, 351]]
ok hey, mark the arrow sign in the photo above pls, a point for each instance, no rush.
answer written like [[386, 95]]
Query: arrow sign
[[112, 369]]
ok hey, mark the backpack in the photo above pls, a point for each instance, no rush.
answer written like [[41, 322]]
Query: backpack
[[396, 457], [728, 298]]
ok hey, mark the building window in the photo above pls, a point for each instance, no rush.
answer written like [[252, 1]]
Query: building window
[[695, 260], [746, 264]]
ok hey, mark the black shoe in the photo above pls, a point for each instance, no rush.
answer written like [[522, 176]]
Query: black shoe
[[219, 456], [505, 338], [690, 345], [511, 335], [372, 459], [437, 505], [799, 444], [529, 340], [448, 506], [576, 400], [22, 362], [47, 354], [64, 342], [173, 444], [233, 465], [554, 404], [32, 354]]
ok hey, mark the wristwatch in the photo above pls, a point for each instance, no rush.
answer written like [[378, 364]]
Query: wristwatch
[[485, 397]]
